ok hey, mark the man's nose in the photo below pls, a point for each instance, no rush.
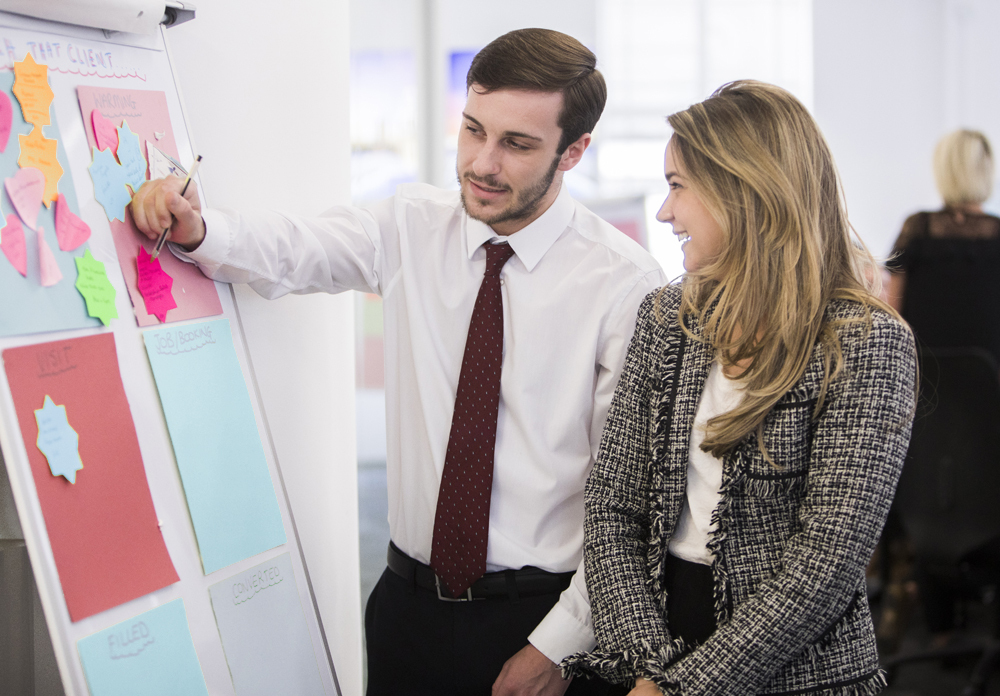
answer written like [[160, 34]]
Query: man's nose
[[487, 162]]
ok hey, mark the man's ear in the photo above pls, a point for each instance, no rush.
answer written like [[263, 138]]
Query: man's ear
[[574, 153]]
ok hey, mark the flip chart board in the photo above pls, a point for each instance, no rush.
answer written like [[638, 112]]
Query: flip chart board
[[88, 115]]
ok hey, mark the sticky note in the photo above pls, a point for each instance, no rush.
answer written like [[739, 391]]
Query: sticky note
[[6, 119], [48, 268], [264, 600], [216, 443], [57, 440], [71, 230], [105, 131], [40, 152], [151, 654], [31, 87], [154, 285], [109, 184], [160, 165], [92, 282], [25, 190], [131, 157], [12, 243]]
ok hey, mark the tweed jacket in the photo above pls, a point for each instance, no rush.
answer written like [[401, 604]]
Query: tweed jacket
[[790, 542]]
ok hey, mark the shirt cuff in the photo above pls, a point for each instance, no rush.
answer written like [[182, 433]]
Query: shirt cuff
[[561, 634], [215, 246]]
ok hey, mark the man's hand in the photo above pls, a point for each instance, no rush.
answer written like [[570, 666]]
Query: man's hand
[[158, 205], [530, 673]]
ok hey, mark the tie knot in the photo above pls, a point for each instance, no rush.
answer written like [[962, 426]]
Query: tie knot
[[496, 256]]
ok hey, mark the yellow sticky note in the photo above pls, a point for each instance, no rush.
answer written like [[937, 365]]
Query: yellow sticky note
[[31, 87], [40, 152]]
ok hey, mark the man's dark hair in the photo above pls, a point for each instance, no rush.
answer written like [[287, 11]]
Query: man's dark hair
[[543, 60]]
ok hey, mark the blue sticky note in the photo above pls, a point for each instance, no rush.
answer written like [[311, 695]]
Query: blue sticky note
[[131, 157], [151, 654], [264, 600], [109, 184], [57, 440], [218, 449]]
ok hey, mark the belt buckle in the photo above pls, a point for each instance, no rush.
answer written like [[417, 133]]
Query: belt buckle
[[444, 598]]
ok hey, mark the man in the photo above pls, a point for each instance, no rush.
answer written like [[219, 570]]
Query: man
[[500, 369]]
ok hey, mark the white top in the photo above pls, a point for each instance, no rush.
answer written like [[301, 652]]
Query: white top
[[570, 294], [704, 475]]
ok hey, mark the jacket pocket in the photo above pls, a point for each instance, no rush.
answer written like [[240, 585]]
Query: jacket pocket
[[788, 442]]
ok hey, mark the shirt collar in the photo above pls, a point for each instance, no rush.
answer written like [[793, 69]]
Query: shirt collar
[[530, 243]]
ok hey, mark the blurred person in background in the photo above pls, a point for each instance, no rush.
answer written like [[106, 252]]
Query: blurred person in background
[[945, 264]]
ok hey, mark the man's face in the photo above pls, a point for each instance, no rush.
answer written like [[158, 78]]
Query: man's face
[[507, 161]]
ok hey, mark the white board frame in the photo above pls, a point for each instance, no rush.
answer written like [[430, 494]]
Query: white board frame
[[161, 470]]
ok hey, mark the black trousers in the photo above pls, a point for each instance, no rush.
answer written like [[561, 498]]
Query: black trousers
[[690, 599], [418, 644]]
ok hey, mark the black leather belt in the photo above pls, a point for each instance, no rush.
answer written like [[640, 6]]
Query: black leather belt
[[511, 584]]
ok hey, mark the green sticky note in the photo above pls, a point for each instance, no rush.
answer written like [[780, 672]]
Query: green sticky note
[[92, 282]]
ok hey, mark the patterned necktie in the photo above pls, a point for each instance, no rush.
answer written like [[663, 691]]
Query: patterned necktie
[[458, 552]]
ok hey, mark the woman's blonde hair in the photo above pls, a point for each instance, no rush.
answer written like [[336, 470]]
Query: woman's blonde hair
[[760, 165], [963, 168]]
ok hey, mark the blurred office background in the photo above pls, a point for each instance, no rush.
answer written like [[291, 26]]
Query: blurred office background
[[884, 79]]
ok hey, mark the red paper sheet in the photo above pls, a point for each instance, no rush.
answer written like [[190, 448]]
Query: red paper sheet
[[107, 545], [147, 116]]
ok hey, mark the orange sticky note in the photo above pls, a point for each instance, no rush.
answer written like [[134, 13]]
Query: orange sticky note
[[31, 87], [40, 152]]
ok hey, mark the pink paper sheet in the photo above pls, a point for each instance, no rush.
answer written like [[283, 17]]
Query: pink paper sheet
[[146, 112], [103, 529]]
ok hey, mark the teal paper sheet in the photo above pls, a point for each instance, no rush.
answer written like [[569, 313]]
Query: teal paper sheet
[[216, 443], [151, 654], [28, 307], [264, 601]]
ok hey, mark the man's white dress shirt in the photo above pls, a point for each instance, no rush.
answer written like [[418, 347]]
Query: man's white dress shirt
[[570, 297]]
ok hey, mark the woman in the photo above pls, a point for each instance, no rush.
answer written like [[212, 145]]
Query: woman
[[945, 263], [758, 429], [945, 281]]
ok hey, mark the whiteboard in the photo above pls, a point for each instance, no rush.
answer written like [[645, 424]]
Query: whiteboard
[[136, 62]]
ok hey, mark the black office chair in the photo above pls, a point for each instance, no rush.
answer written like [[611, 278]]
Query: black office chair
[[948, 500]]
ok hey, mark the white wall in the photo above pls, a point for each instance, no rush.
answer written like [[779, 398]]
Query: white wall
[[891, 78], [265, 88]]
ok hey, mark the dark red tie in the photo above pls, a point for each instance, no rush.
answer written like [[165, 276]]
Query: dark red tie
[[458, 552]]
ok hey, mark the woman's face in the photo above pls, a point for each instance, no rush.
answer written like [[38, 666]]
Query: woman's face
[[700, 235]]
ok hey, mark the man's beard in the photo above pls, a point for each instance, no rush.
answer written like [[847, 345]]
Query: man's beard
[[525, 203]]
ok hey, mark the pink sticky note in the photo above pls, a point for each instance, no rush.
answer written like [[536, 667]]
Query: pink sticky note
[[6, 118], [12, 243], [105, 132], [25, 190], [154, 285], [48, 268], [71, 231]]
